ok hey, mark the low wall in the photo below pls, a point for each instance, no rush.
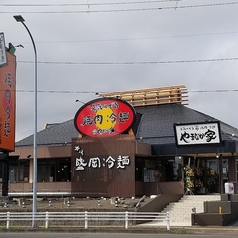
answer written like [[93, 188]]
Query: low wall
[[211, 219], [218, 213], [229, 197], [160, 202]]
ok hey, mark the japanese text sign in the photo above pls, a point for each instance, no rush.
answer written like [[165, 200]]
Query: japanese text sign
[[104, 117], [3, 54], [198, 133], [120, 162], [7, 104]]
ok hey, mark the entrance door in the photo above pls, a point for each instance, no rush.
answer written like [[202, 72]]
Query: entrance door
[[211, 176], [202, 175]]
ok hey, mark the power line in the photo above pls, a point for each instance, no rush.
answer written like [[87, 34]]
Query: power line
[[56, 91], [94, 92], [133, 62], [213, 91], [86, 4], [133, 39], [127, 10]]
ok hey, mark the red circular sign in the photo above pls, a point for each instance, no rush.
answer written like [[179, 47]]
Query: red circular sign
[[104, 117]]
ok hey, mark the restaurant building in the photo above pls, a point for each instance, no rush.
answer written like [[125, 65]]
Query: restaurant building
[[168, 149]]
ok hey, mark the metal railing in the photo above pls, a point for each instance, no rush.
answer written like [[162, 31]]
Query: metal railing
[[82, 219]]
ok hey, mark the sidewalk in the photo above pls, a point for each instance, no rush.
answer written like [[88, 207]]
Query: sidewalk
[[185, 228]]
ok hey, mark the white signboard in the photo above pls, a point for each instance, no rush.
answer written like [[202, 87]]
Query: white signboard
[[199, 133], [3, 54]]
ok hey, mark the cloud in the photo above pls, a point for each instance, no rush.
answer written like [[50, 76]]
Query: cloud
[[116, 38]]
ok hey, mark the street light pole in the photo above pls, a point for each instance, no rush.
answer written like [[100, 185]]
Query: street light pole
[[19, 18]]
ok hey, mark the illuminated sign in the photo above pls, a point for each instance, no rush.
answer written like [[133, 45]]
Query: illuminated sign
[[199, 133], [7, 104], [104, 117], [3, 54]]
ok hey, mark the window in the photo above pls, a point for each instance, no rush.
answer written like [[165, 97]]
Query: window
[[19, 171], [163, 169], [54, 170], [13, 172], [152, 170], [63, 170], [46, 170], [24, 171]]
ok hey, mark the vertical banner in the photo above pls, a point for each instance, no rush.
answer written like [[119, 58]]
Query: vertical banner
[[3, 54], [8, 104]]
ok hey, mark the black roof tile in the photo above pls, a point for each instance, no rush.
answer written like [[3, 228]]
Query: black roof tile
[[154, 125]]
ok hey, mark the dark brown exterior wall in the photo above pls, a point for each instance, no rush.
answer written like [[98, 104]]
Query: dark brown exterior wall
[[103, 181], [175, 187]]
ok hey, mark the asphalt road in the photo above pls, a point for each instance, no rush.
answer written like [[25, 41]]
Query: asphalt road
[[107, 235]]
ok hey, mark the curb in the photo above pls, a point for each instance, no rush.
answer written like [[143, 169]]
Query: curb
[[132, 229]]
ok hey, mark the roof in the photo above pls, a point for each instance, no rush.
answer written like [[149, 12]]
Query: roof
[[58, 133], [154, 126], [157, 123]]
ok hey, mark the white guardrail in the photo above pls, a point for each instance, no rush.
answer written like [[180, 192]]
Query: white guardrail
[[81, 219]]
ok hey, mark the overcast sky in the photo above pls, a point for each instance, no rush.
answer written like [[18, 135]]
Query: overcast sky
[[89, 46]]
